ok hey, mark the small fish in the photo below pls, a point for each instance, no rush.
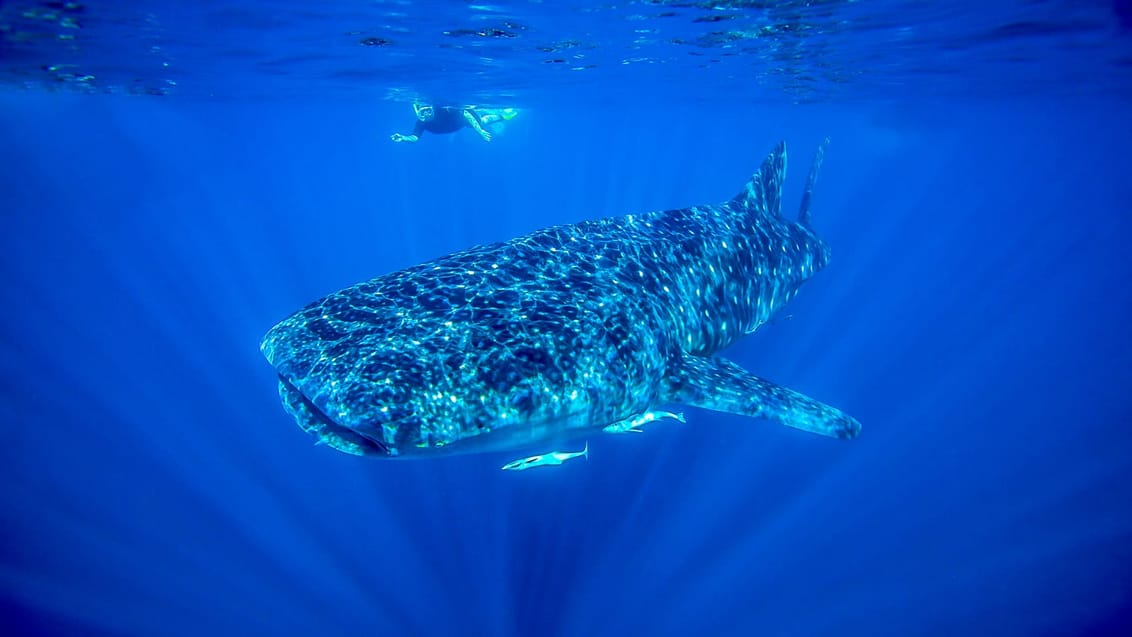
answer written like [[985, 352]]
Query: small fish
[[546, 459], [635, 423]]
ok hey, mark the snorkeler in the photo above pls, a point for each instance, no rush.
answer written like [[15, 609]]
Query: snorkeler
[[449, 119]]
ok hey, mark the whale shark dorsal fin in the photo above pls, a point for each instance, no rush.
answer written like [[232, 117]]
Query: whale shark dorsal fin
[[815, 168], [721, 385], [763, 192]]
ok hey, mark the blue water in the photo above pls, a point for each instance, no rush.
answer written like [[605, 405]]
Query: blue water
[[157, 220]]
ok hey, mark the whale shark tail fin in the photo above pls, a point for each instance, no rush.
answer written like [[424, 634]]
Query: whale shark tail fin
[[815, 168], [763, 193]]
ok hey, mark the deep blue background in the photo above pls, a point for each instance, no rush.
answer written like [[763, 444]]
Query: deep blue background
[[975, 318]]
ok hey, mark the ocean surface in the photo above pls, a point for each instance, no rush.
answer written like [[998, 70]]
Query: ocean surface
[[175, 178]]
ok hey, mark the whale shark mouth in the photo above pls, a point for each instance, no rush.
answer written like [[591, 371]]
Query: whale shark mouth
[[312, 420]]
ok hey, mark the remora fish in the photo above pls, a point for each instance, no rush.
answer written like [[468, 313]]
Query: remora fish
[[551, 459], [636, 423], [558, 333]]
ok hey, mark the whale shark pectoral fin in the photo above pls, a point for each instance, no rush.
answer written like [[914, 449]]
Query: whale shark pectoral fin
[[721, 385]]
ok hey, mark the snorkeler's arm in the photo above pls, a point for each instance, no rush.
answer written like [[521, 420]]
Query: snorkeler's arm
[[414, 136], [474, 122]]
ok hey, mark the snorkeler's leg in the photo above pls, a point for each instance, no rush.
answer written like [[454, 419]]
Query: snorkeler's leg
[[490, 115], [474, 122]]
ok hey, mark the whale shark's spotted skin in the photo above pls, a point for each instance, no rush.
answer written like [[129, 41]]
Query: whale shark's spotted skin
[[564, 330]]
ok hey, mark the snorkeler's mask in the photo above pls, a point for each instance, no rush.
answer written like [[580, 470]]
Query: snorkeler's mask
[[424, 112]]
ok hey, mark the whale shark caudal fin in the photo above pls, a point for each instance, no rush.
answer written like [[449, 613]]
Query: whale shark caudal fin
[[815, 168], [721, 385], [763, 192]]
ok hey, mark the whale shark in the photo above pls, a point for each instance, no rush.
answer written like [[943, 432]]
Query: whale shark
[[557, 334]]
